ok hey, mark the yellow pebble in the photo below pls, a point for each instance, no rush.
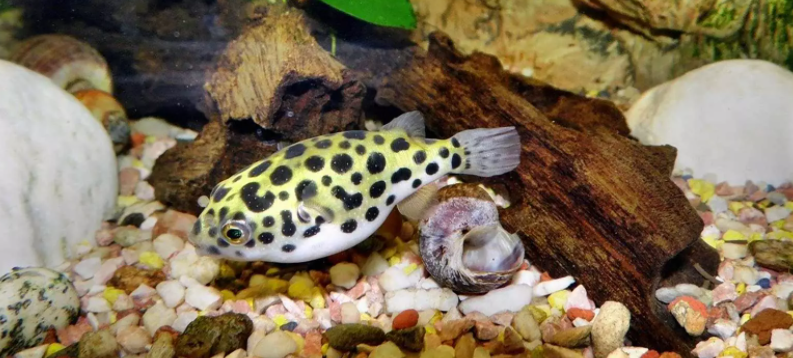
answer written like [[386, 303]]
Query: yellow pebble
[[111, 294], [317, 300], [733, 235], [740, 288], [150, 139], [226, 295], [703, 188], [436, 317], [393, 260], [410, 268], [779, 224], [745, 318], [257, 280], [540, 312], [764, 204], [251, 303], [592, 94], [151, 259], [789, 205], [54, 348], [755, 236], [429, 329], [736, 206], [790, 313], [113, 317], [388, 252], [300, 288], [558, 299], [272, 271], [309, 312], [280, 320], [501, 335], [365, 317], [298, 339], [716, 244], [734, 352], [126, 200], [137, 163], [325, 349]]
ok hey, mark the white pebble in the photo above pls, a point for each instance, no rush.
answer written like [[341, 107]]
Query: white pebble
[[82, 287], [734, 251], [144, 191], [394, 278], [548, 287], [107, 269], [129, 320], [526, 277], [203, 297], [263, 323], [133, 339], [275, 345], [764, 303], [92, 320], [442, 299], [143, 292], [710, 348], [183, 319], [427, 283], [97, 304], [203, 201], [149, 223], [745, 274], [188, 281], [167, 244], [350, 313], [35, 352], [157, 316], [322, 316], [781, 340], [783, 289], [687, 289], [131, 256], [254, 339], [344, 274], [96, 289], [88, 267], [775, 213], [172, 292], [578, 299], [239, 353], [723, 328], [666, 294], [374, 265], [204, 270], [510, 298]]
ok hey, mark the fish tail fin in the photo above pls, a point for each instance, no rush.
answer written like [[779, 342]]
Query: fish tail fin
[[489, 151]]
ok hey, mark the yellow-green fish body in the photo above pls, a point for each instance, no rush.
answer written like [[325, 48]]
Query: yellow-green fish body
[[326, 194]]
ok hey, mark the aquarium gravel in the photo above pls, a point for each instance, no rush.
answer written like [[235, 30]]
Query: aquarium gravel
[[145, 291]]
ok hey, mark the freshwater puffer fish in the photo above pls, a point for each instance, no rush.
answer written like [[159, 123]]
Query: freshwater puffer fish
[[324, 195]]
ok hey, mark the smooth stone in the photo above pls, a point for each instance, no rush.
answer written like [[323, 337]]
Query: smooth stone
[[60, 180], [732, 119]]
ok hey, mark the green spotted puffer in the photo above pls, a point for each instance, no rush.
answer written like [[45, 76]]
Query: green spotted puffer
[[326, 194]]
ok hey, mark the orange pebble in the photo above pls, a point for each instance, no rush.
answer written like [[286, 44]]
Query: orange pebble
[[137, 139], [574, 313], [651, 354], [545, 277], [692, 302], [670, 355], [405, 319]]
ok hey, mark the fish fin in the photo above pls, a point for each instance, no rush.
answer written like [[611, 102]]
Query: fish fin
[[414, 206], [491, 151], [410, 122], [315, 209]]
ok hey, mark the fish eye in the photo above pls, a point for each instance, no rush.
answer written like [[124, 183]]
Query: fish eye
[[236, 232], [303, 214]]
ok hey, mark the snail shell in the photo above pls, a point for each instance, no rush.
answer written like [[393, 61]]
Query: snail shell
[[106, 109], [463, 245], [70, 63]]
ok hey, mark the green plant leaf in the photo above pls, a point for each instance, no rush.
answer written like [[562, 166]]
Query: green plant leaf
[[391, 13]]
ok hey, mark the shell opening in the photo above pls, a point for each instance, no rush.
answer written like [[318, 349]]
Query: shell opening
[[491, 249]]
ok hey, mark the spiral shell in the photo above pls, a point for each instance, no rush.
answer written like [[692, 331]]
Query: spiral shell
[[463, 245], [70, 63], [106, 109]]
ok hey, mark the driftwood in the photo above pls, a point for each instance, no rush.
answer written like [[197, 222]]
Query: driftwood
[[587, 200]]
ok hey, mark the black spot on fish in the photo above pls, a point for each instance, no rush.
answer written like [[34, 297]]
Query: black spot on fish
[[255, 203], [375, 163], [456, 161], [350, 201], [378, 139], [284, 196], [295, 151], [354, 134], [281, 175], [341, 163], [377, 189], [390, 200], [223, 243], [455, 143], [219, 193], [356, 178], [372, 213], [266, 238], [259, 169], [236, 179], [326, 180], [444, 152], [238, 216], [324, 144], [238, 253], [250, 243], [349, 226], [315, 163], [419, 157], [223, 212], [211, 212], [432, 168], [197, 227], [344, 145], [319, 220], [360, 149], [307, 189], [212, 249], [288, 248], [230, 197], [400, 175], [213, 231], [268, 221], [467, 152], [467, 165], [288, 228], [399, 145], [311, 231], [416, 183]]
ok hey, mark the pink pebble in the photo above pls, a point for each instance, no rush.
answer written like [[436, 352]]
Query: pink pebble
[[72, 334], [335, 311], [241, 306], [359, 289], [275, 310], [764, 303], [578, 299], [707, 217], [724, 292], [104, 237], [174, 222], [752, 216], [726, 270], [127, 180]]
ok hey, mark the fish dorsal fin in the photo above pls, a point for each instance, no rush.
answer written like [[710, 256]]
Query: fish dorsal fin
[[414, 206], [314, 209], [410, 122]]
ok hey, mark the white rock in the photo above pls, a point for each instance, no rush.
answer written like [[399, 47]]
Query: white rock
[[133, 339], [131, 256], [149, 223], [239, 353], [775, 213], [183, 319], [144, 190], [578, 299], [526, 277], [58, 161], [546, 288], [107, 269], [97, 304], [263, 323], [427, 283], [96, 289], [699, 112], [442, 299], [783, 289], [344, 274], [167, 244], [510, 298], [666, 294], [87, 268], [734, 251], [764, 303], [129, 320], [781, 340], [35, 352], [717, 204], [374, 265], [203, 269], [203, 297], [394, 278], [687, 289], [254, 339], [709, 348], [275, 345], [157, 316], [350, 313], [171, 292], [322, 315], [143, 292], [188, 281], [723, 328]]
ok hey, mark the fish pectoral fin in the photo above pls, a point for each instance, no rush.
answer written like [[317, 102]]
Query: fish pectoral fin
[[410, 122], [414, 206], [315, 209]]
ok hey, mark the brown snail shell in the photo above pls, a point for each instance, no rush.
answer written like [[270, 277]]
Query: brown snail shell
[[108, 111], [463, 245], [72, 64]]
